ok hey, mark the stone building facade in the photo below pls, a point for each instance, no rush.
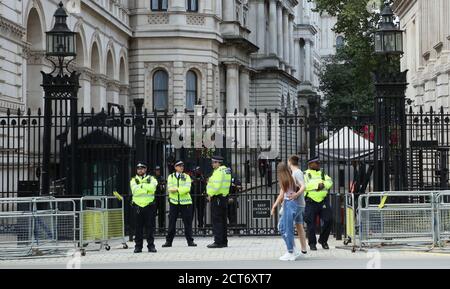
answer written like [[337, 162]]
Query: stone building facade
[[426, 43], [175, 54]]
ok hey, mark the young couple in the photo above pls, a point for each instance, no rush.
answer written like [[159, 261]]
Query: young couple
[[292, 186]]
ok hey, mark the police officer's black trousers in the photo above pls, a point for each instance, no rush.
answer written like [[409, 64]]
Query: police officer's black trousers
[[186, 215], [219, 207], [323, 210], [161, 211], [145, 218]]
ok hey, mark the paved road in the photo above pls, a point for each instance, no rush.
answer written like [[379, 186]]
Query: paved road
[[243, 253]]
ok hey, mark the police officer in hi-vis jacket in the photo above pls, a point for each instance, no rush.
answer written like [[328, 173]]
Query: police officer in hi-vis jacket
[[143, 188], [317, 186], [218, 189], [179, 189]]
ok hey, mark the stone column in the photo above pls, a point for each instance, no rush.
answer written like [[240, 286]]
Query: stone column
[[232, 84], [228, 10], [280, 31], [297, 58], [261, 27], [98, 92], [291, 44], [307, 77], [34, 91], [252, 23], [285, 37], [84, 94], [273, 27], [112, 92], [123, 96], [244, 89]]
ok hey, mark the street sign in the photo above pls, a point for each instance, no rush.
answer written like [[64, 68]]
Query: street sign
[[261, 209]]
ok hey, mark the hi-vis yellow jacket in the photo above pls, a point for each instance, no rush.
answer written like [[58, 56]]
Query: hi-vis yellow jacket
[[219, 183], [312, 180], [183, 185], [143, 190]]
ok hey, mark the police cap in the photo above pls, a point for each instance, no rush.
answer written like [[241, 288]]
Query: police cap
[[141, 165], [313, 160], [217, 159]]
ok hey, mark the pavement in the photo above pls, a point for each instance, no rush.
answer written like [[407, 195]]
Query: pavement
[[242, 253]]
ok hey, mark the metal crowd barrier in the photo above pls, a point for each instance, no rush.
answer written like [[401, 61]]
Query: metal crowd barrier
[[396, 220], [350, 219], [101, 221], [443, 217], [47, 225], [36, 226], [406, 218]]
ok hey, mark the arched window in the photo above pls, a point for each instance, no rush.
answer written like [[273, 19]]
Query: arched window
[[192, 5], [160, 90], [191, 90], [159, 5]]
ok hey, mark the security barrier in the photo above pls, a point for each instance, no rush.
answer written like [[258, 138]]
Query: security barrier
[[47, 225], [102, 220], [396, 221], [37, 226], [350, 219], [402, 218], [443, 218]]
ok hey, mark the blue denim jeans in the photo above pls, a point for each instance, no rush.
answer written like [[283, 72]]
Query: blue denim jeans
[[291, 209]]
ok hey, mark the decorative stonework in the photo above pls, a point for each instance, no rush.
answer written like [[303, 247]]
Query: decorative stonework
[[197, 20], [158, 18], [12, 29], [36, 57]]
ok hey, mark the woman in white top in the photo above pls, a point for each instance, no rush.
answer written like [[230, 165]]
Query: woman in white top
[[291, 209]]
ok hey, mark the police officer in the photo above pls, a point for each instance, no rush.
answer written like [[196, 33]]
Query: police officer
[[199, 197], [160, 199], [218, 189], [143, 188], [316, 192], [179, 188]]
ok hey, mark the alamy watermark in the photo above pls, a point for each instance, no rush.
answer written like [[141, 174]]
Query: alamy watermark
[[239, 131]]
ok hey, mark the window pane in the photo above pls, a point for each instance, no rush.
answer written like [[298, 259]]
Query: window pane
[[191, 90], [190, 100], [160, 90], [164, 5], [191, 81], [155, 5]]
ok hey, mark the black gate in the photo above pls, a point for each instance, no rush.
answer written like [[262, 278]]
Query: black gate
[[110, 142]]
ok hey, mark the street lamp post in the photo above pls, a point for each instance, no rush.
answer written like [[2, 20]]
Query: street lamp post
[[60, 87], [390, 112]]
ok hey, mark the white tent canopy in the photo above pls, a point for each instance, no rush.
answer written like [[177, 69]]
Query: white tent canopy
[[345, 145]]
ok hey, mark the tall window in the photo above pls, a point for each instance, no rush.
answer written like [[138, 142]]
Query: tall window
[[192, 5], [160, 90], [159, 5], [191, 90]]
